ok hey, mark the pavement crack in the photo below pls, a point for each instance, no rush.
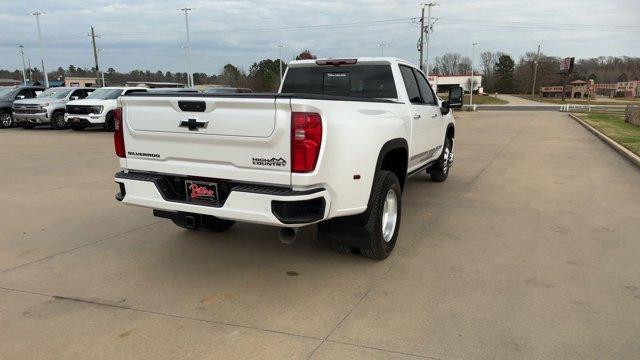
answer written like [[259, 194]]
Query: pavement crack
[[77, 247]]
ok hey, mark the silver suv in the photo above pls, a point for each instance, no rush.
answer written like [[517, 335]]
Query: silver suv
[[47, 108]]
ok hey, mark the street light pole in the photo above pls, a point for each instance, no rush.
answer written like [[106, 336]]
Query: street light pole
[[535, 75], [24, 73], [99, 52], [382, 46], [186, 21], [473, 55], [280, 46], [44, 71]]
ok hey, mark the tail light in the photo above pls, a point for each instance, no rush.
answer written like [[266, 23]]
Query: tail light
[[306, 137], [118, 136]]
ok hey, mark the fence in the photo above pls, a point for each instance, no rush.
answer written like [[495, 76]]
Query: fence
[[601, 109]]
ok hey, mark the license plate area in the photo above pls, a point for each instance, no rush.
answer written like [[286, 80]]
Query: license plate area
[[201, 191]]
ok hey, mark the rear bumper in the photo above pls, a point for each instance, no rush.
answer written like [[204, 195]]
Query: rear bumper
[[38, 118], [85, 120], [247, 203]]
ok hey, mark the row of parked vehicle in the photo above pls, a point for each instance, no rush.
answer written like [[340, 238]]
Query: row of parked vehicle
[[70, 107]]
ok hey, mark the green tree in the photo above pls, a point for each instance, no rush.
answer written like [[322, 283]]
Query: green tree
[[306, 55], [504, 74], [265, 75]]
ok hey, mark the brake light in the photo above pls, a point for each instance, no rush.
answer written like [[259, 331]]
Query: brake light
[[336, 62], [306, 137], [118, 136]]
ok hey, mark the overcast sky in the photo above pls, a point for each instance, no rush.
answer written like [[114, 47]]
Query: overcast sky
[[149, 34]]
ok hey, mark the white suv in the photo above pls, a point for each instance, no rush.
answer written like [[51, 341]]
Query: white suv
[[97, 108]]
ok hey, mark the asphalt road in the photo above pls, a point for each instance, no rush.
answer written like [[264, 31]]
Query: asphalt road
[[530, 250]]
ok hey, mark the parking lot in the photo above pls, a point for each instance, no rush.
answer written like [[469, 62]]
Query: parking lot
[[529, 250]]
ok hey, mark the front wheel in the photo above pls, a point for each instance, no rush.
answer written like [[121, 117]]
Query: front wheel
[[440, 170], [6, 120], [58, 122], [109, 122]]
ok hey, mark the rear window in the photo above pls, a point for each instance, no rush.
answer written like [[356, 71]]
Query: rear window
[[365, 81]]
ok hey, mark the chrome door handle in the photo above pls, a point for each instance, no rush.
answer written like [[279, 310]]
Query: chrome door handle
[[416, 117], [434, 115]]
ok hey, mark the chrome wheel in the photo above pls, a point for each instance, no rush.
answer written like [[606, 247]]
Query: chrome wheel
[[6, 119], [389, 215], [59, 120], [447, 159]]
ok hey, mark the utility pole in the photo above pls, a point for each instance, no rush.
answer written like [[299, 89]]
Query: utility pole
[[473, 55], [44, 71], [421, 45], [95, 54], [535, 75], [280, 46], [382, 46], [24, 73], [428, 30], [186, 22]]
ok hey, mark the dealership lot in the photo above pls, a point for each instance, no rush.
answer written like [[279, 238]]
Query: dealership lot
[[529, 250]]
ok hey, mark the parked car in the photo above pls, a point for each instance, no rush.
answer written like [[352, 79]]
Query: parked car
[[226, 90], [334, 147], [8, 95], [96, 110], [47, 108]]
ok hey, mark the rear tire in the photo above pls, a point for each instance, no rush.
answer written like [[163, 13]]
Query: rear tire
[[6, 119], [57, 121], [440, 170], [376, 236]]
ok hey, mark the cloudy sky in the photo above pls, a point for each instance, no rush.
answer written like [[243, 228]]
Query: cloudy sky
[[145, 34]]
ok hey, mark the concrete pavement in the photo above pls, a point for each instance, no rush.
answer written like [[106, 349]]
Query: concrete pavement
[[529, 250]]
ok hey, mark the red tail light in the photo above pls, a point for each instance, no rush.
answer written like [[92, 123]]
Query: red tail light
[[118, 136], [306, 137]]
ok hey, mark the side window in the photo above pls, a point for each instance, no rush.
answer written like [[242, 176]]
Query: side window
[[134, 91], [27, 93], [425, 89], [411, 85], [78, 93], [87, 92]]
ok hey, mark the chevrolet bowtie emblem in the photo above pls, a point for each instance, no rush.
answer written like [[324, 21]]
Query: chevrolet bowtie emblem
[[194, 124]]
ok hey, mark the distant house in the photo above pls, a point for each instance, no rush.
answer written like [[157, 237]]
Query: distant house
[[80, 81]]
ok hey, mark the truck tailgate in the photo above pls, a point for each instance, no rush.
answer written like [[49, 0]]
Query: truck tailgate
[[232, 138]]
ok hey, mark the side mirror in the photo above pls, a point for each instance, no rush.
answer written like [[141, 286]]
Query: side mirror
[[20, 97], [455, 97]]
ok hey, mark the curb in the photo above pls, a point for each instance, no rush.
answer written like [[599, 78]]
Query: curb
[[635, 159]]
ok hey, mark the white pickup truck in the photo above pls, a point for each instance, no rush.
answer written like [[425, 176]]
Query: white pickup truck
[[333, 147]]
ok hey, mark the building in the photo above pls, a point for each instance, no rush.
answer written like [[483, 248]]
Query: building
[[80, 81], [156, 84], [628, 89], [442, 83], [10, 82], [580, 89]]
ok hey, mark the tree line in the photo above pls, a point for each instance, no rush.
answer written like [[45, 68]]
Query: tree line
[[501, 73], [261, 76]]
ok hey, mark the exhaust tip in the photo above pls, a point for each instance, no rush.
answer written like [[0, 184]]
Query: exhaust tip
[[288, 235]]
